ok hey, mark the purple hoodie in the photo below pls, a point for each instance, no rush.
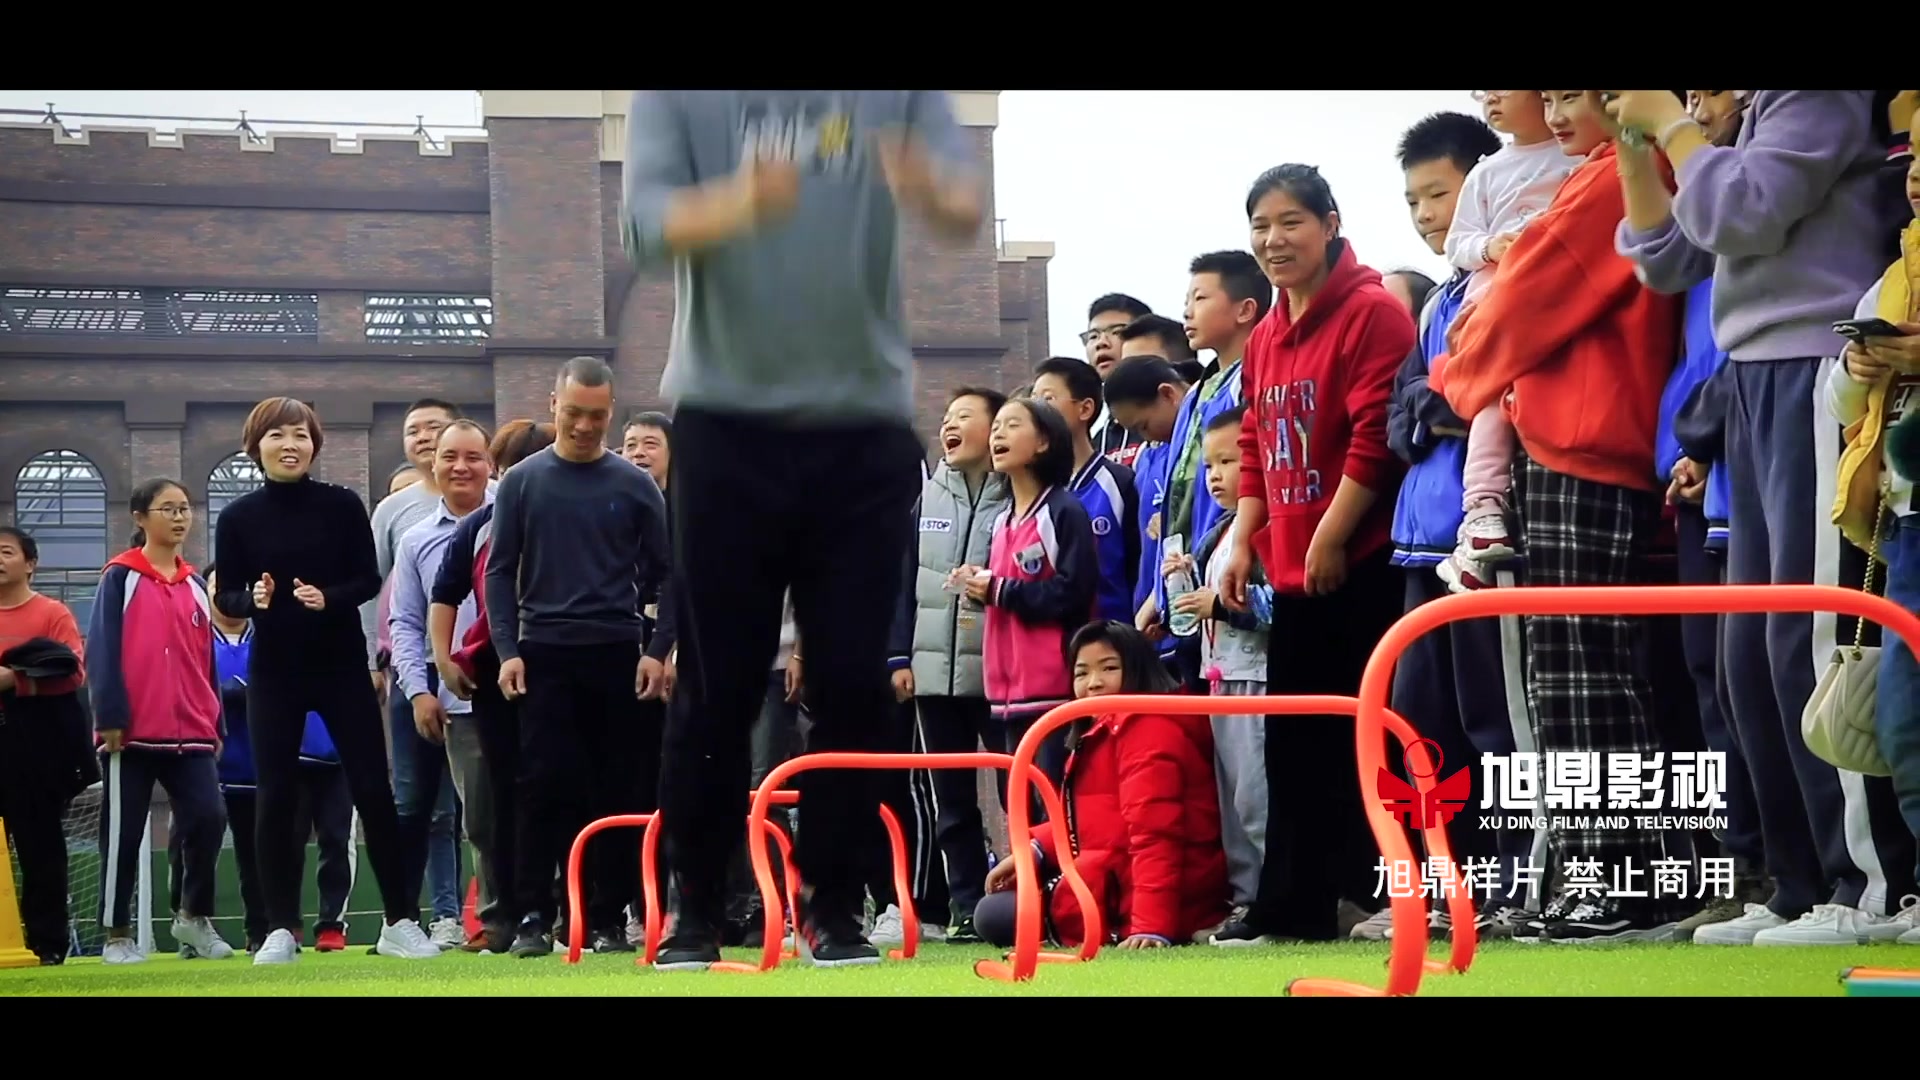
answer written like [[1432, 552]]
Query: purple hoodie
[[1788, 222]]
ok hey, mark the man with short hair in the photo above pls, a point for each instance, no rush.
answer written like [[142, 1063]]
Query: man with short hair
[[1156, 335], [648, 443], [1106, 318], [423, 790], [579, 546], [797, 464], [462, 471]]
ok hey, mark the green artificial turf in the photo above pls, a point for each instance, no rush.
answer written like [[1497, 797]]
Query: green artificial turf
[[1501, 969]]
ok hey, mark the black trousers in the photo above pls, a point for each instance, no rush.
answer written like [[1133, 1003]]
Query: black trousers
[[277, 708], [584, 738], [1319, 848], [960, 725], [497, 723], [326, 813], [192, 784], [1701, 642], [757, 509], [33, 821], [907, 792]]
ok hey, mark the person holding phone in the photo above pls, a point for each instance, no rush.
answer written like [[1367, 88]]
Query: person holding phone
[[1875, 394], [1790, 223]]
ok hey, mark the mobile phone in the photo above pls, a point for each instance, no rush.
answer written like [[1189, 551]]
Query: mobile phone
[[1860, 329]]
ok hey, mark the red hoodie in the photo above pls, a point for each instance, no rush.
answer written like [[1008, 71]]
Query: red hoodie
[[150, 657], [1317, 393], [1585, 347]]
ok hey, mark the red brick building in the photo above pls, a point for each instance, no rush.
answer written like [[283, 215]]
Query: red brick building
[[153, 286]]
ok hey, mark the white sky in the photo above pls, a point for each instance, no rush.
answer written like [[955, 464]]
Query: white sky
[[1129, 184]]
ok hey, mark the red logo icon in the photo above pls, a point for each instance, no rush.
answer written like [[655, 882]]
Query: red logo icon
[[1424, 809]]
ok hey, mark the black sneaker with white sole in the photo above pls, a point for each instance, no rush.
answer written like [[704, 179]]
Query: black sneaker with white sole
[[612, 939], [693, 945], [1532, 930], [1597, 920], [532, 939], [830, 935], [1239, 933]]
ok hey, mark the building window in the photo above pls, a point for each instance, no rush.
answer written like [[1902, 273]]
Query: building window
[[61, 499], [232, 478], [160, 313], [429, 318]]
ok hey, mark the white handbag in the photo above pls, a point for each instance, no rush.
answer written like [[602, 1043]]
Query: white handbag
[[1837, 723]]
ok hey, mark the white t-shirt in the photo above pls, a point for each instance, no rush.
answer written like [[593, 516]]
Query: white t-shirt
[[1847, 403], [1240, 654]]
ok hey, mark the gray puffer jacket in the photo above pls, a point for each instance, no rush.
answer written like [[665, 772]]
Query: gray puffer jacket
[[935, 632]]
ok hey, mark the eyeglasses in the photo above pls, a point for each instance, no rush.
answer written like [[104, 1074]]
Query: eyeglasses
[[172, 510], [1087, 336]]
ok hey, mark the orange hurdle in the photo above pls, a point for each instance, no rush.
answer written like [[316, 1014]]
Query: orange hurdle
[[1026, 954], [909, 918], [1409, 942], [654, 917]]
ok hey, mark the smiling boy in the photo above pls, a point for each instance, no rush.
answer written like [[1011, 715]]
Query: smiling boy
[[1459, 685]]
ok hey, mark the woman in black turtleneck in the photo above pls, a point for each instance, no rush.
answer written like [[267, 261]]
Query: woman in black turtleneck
[[296, 556]]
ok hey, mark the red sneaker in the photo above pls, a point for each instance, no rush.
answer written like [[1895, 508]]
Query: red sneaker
[[330, 941]]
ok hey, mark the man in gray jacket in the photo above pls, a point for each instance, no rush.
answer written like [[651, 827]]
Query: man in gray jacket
[[790, 374], [937, 638]]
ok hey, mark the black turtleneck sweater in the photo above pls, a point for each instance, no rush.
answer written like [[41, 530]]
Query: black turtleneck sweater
[[316, 533]]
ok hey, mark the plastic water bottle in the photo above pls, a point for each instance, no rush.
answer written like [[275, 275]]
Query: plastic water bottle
[[1179, 583]]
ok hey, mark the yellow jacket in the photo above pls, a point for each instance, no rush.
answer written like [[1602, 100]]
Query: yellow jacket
[[1857, 508]]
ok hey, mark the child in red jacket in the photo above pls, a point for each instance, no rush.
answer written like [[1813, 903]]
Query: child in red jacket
[[1143, 815]]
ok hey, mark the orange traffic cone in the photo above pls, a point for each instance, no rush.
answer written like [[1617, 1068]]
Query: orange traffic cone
[[470, 915]]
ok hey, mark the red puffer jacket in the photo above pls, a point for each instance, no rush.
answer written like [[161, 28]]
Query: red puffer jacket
[[1144, 818]]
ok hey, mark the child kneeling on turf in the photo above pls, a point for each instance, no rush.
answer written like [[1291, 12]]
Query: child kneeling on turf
[[1142, 813]]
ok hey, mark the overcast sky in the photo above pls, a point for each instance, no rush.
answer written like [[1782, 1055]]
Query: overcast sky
[[1130, 184]]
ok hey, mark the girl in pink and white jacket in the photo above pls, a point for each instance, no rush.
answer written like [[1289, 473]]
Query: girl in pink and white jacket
[[156, 708], [1041, 573]]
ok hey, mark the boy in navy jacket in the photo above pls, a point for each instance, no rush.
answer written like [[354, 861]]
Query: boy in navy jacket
[[1460, 686]]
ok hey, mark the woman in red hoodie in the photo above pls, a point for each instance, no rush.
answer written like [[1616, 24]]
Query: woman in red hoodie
[[1580, 351], [1313, 469], [156, 707], [1143, 813]]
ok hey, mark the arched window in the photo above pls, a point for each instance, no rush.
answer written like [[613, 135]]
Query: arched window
[[61, 499], [232, 478]]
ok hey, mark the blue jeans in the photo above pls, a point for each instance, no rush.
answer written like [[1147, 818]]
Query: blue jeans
[[423, 794], [1897, 713]]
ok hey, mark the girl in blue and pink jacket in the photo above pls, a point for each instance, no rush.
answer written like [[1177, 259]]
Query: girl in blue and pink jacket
[[156, 708], [1041, 573]]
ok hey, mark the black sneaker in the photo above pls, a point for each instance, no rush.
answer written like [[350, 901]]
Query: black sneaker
[[1604, 919], [1497, 920], [693, 945], [532, 939], [1532, 931], [610, 941], [1239, 933], [830, 936], [963, 933]]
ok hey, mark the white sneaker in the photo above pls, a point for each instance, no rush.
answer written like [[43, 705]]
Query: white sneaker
[[1740, 930], [279, 948], [447, 933], [1833, 924], [1484, 536], [198, 938], [122, 951], [887, 929], [1375, 927], [406, 941], [1909, 918], [932, 931]]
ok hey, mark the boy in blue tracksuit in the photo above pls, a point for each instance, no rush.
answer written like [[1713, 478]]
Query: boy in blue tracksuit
[[1144, 394], [1105, 489], [1461, 686], [326, 800], [1690, 439]]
